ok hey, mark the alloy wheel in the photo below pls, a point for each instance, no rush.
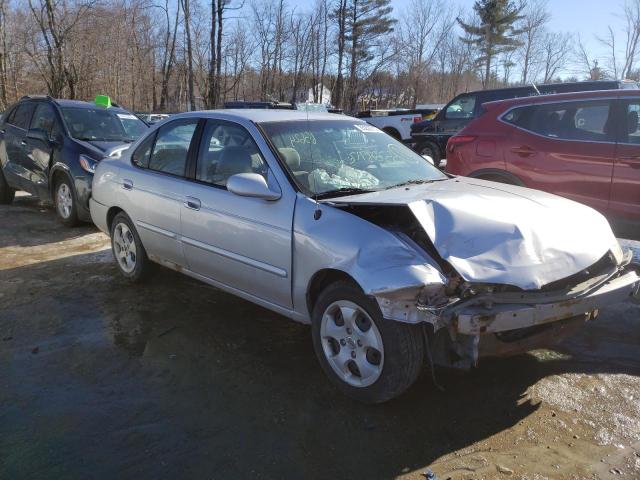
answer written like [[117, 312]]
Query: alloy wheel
[[124, 247], [352, 343], [64, 200]]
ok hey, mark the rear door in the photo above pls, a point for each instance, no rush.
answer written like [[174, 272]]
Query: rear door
[[567, 148], [625, 191], [153, 188]]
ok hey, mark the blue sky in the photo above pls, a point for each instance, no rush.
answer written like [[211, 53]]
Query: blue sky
[[586, 17]]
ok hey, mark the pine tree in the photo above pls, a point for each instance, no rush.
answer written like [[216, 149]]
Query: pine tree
[[496, 32]]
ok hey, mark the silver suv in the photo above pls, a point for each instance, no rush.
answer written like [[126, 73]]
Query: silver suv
[[329, 221]]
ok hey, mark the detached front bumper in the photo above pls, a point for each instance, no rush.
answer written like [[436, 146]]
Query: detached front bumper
[[504, 317], [486, 329]]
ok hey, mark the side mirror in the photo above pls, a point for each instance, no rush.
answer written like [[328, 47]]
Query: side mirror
[[38, 134], [251, 185], [428, 159]]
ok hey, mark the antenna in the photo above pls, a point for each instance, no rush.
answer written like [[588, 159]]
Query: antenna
[[317, 213], [535, 88]]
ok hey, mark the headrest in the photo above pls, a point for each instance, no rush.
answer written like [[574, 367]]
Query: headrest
[[234, 159], [291, 157]]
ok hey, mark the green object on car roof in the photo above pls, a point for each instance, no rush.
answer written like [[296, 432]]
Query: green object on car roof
[[103, 101]]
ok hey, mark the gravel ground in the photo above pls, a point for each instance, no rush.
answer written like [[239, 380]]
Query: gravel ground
[[175, 379]]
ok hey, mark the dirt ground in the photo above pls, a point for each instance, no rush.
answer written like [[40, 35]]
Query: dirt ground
[[175, 379]]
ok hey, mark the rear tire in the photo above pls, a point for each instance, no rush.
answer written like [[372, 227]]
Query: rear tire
[[64, 200], [367, 357], [392, 132], [7, 193], [127, 248], [431, 149]]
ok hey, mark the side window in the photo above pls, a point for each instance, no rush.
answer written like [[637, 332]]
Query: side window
[[44, 118], [631, 126], [591, 122], [585, 121], [11, 115], [462, 107], [227, 149], [517, 116], [22, 116], [172, 147], [143, 153]]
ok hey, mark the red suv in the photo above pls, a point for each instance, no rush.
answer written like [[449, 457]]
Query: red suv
[[584, 146]]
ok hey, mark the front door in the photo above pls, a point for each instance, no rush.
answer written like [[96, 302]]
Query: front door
[[625, 192], [241, 242], [17, 159], [38, 152]]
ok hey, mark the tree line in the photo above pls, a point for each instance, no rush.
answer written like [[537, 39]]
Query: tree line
[[175, 55]]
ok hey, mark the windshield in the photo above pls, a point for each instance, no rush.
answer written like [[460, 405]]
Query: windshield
[[332, 157], [98, 124]]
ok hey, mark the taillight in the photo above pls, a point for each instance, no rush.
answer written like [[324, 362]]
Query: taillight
[[417, 119], [459, 140]]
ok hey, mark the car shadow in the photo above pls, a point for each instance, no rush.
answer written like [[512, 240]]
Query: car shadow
[[27, 222], [173, 378]]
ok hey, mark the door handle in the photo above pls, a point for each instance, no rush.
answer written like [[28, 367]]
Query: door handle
[[192, 203], [127, 184], [523, 151], [632, 161]]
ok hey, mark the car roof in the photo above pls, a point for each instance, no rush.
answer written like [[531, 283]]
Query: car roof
[[87, 105], [261, 115], [559, 97], [585, 83]]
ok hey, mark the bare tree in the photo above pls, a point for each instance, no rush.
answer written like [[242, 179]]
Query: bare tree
[[56, 21], [168, 55], [556, 48], [186, 8], [340, 16], [535, 18], [425, 26]]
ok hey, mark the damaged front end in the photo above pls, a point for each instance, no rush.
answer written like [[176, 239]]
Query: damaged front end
[[494, 320], [468, 320]]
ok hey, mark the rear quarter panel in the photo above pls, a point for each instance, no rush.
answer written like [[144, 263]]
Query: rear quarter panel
[[483, 153]]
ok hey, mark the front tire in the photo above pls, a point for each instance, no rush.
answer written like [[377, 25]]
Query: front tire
[[6, 192], [367, 357], [128, 250], [64, 199]]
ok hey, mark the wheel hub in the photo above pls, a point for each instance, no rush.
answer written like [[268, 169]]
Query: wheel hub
[[352, 343]]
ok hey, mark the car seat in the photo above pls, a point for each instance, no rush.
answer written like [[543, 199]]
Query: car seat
[[233, 160], [292, 159]]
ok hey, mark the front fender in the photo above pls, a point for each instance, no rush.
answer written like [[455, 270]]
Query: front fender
[[382, 264]]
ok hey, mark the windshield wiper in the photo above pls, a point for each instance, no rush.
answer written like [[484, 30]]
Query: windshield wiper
[[343, 191], [415, 182]]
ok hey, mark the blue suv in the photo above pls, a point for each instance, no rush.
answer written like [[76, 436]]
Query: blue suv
[[50, 149]]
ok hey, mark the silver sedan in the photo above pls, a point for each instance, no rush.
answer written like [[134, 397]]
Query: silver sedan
[[329, 221]]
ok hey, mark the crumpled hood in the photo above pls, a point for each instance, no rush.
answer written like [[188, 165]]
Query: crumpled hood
[[502, 234]]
